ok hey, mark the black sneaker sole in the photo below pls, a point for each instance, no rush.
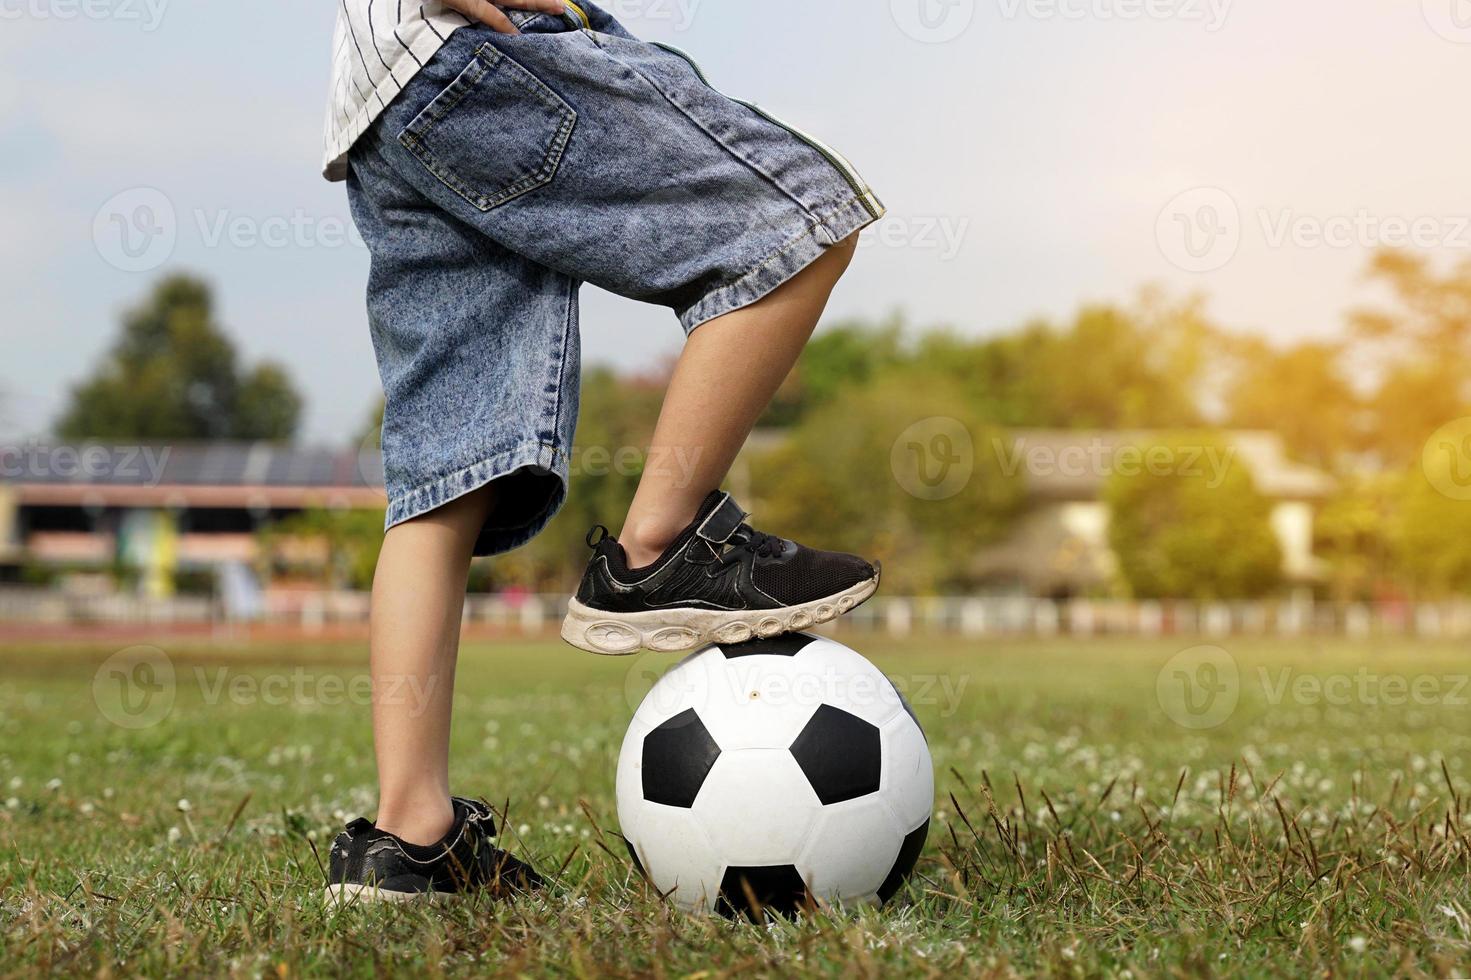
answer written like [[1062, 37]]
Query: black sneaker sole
[[674, 630]]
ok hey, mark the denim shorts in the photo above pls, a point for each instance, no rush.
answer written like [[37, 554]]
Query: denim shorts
[[513, 168]]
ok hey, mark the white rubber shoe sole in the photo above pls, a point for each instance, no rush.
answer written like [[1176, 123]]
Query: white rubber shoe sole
[[676, 630], [372, 894]]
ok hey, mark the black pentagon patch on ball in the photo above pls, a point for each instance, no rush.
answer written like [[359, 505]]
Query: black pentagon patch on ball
[[751, 891], [841, 754], [677, 758], [785, 645], [904, 863]]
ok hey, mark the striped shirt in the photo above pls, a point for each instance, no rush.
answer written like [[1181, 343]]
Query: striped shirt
[[377, 47]]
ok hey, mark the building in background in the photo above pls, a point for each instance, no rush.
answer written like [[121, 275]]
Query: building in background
[[1060, 547], [165, 511]]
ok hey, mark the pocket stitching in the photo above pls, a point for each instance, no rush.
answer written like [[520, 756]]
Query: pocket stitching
[[412, 136]]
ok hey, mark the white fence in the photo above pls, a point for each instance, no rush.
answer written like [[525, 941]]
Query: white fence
[[897, 616]]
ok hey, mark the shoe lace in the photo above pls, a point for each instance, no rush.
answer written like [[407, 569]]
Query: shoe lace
[[760, 543]]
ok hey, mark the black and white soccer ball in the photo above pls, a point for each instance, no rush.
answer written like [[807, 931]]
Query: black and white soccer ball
[[775, 774]]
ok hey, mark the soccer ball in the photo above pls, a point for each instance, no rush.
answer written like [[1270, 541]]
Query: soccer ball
[[775, 774]]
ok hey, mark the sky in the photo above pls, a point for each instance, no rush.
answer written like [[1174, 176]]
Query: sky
[[1035, 155]]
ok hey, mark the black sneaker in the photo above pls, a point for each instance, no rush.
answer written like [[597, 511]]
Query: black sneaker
[[372, 865], [721, 581]]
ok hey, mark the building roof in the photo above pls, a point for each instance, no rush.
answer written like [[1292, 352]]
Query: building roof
[[215, 474]]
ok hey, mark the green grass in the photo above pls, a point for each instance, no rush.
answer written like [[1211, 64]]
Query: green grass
[[1078, 830]]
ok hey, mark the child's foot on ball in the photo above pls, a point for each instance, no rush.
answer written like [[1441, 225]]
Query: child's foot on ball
[[372, 865], [721, 581]]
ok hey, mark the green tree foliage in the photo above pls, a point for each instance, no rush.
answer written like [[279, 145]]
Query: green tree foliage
[[1421, 346], [614, 429], [1301, 392], [1110, 367], [832, 483], [174, 374], [1352, 535], [353, 539], [1430, 535], [1178, 533]]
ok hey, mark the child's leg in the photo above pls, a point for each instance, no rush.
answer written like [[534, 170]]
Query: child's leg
[[418, 599], [727, 374]]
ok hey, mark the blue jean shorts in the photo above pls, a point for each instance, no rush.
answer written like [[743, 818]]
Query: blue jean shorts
[[513, 168]]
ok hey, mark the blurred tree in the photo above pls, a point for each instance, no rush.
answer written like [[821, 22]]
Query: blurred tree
[[1421, 349], [614, 429], [173, 374], [852, 352], [1180, 534], [835, 482], [1351, 534], [1431, 534], [1301, 393], [353, 539]]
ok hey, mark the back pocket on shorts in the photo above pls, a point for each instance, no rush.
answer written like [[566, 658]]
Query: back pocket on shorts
[[496, 133]]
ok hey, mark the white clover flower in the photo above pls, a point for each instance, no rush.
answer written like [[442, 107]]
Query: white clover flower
[[54, 785], [175, 835], [185, 806]]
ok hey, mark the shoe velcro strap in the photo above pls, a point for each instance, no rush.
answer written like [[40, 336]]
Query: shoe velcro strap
[[721, 523]]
